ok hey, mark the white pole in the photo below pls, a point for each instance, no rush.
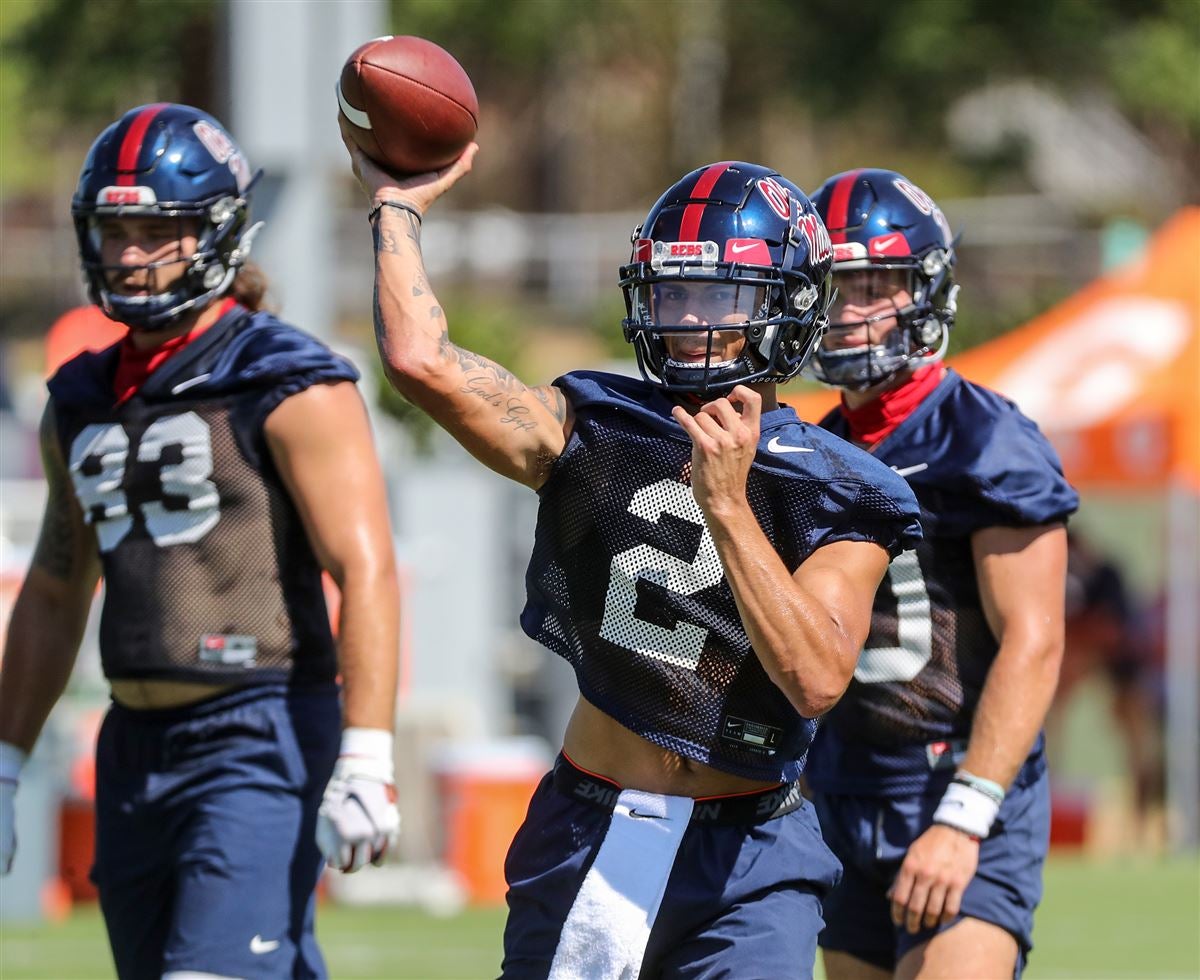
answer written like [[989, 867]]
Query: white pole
[[285, 56], [1183, 667]]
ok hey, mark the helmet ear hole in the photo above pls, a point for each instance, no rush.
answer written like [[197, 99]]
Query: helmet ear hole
[[929, 332], [804, 298], [213, 276]]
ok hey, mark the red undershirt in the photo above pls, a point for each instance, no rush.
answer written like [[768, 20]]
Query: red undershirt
[[135, 366], [877, 419]]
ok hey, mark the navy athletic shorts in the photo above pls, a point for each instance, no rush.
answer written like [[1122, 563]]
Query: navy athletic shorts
[[734, 889], [206, 858], [871, 836]]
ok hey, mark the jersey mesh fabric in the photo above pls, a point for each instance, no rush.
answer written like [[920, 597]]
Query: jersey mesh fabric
[[625, 583], [175, 600], [208, 572], [920, 683]]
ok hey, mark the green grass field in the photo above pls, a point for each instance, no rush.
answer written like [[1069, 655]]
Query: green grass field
[[1125, 919]]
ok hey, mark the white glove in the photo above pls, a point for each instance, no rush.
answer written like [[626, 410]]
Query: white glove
[[358, 820], [12, 759]]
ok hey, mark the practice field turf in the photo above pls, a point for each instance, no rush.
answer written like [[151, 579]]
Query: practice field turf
[[1124, 919]]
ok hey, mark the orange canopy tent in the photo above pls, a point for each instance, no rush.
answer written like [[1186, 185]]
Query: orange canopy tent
[[1112, 374]]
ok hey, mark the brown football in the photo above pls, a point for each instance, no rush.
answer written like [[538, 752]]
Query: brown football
[[410, 105]]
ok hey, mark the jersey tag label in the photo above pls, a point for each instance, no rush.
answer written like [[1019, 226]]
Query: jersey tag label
[[945, 755], [752, 735], [235, 649]]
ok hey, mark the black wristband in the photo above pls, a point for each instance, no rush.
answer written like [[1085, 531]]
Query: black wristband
[[398, 205]]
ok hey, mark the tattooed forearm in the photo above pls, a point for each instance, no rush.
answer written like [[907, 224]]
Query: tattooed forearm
[[377, 319], [386, 240], [413, 232], [389, 239]]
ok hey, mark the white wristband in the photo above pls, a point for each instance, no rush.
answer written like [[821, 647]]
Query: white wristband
[[371, 752], [12, 761], [967, 809]]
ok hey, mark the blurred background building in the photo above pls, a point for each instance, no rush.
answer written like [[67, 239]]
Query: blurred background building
[[1062, 139]]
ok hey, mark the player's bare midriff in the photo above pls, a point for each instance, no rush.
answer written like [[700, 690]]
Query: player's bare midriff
[[144, 695], [597, 743]]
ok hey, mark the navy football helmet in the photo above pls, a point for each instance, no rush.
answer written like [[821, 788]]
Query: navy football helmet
[[881, 223], [174, 161], [753, 240]]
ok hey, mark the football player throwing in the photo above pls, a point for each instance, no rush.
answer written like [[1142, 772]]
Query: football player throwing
[[703, 559]]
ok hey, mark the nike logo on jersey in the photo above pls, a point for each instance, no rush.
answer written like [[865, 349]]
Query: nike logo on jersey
[[639, 815], [775, 446], [907, 470], [185, 385], [258, 945]]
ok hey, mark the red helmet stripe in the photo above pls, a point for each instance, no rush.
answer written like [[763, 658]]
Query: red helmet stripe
[[689, 227], [131, 146], [839, 207]]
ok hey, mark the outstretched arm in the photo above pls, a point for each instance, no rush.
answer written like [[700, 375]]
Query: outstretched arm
[[516, 430]]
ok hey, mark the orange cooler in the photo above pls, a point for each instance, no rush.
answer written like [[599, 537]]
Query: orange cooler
[[484, 790]]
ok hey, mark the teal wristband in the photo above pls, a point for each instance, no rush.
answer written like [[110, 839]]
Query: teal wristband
[[985, 786]]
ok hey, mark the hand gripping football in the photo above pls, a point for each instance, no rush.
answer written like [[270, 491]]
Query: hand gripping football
[[410, 105]]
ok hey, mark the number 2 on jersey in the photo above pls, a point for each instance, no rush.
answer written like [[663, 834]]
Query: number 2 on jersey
[[682, 645]]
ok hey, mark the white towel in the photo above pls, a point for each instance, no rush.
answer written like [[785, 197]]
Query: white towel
[[605, 934]]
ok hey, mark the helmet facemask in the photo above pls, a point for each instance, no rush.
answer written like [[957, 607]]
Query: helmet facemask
[[894, 337], [222, 245], [706, 334]]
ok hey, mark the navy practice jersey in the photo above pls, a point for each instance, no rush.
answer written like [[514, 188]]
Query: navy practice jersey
[[974, 462], [208, 571], [626, 584]]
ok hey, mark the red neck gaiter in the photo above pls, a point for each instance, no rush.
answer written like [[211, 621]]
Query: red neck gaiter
[[135, 366], [877, 419]]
